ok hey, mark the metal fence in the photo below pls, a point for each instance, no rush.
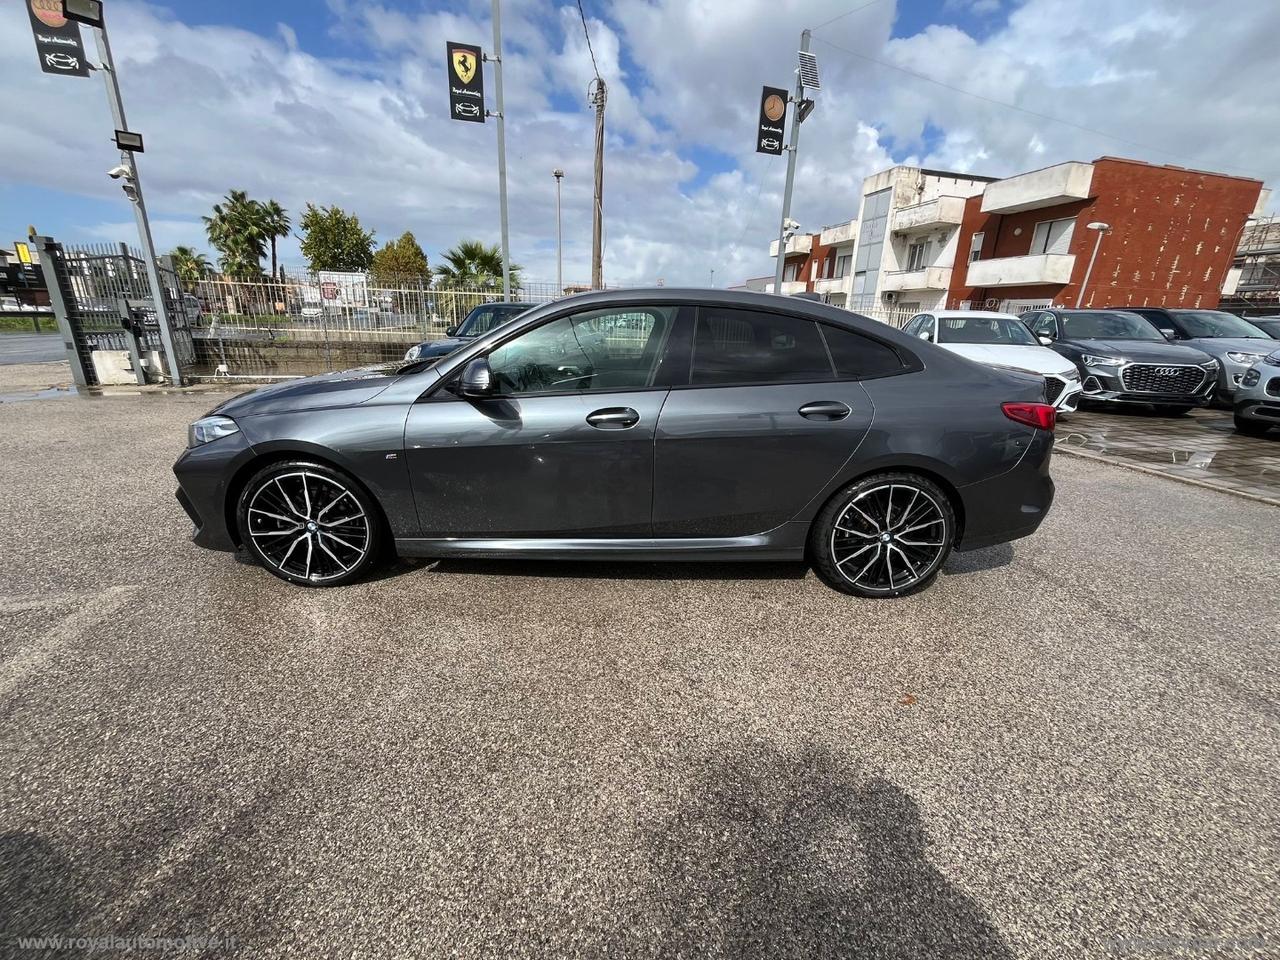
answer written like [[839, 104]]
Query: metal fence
[[319, 322]]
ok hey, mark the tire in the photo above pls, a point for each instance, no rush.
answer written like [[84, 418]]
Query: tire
[[1250, 428], [298, 505], [853, 524], [1178, 410]]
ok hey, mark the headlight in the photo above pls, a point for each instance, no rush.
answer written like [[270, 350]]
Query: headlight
[[209, 429], [1091, 361], [1210, 364], [1251, 378], [1249, 359], [413, 352], [1072, 374]]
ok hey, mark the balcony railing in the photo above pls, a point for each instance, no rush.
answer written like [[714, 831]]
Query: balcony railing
[[841, 233], [832, 285], [1016, 271], [940, 212], [1061, 183], [800, 243], [928, 278]]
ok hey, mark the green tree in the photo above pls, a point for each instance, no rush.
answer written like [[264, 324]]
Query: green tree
[[401, 263], [236, 229], [334, 240], [473, 264], [275, 223], [191, 266]]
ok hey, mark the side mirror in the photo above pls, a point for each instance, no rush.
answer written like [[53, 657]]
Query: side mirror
[[1169, 334], [1045, 340], [477, 379], [450, 331]]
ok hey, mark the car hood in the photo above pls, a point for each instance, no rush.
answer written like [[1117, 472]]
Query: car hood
[[1040, 360], [439, 348], [1151, 351], [1217, 346], [345, 388]]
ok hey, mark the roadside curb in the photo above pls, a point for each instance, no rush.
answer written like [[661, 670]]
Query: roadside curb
[[1151, 471]]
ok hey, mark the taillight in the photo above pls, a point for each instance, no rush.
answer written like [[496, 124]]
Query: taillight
[[1042, 416]]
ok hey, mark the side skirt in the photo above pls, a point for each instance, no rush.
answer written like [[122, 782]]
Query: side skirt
[[786, 542]]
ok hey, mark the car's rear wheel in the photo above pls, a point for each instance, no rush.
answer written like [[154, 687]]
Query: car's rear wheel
[[309, 524], [883, 536], [1252, 428]]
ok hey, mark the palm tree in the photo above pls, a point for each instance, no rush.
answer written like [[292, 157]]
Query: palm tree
[[473, 264], [191, 267], [237, 231], [275, 223]]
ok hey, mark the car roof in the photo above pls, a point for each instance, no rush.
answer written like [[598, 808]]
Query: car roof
[[988, 314]]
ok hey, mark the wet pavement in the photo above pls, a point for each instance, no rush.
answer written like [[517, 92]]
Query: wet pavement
[[1201, 446]]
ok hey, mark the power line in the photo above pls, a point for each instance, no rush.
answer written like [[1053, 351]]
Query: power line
[[1010, 106], [841, 16], [587, 33]]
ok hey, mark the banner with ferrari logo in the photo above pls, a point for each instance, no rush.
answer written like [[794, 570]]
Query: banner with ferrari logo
[[466, 83]]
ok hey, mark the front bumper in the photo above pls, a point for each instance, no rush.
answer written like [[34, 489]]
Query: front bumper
[[204, 476], [1105, 385], [1065, 398]]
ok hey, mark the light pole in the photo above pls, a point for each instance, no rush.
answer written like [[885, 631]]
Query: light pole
[[806, 70], [1101, 228], [89, 13], [559, 174]]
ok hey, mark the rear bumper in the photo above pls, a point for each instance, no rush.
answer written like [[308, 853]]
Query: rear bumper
[[1012, 505], [204, 474]]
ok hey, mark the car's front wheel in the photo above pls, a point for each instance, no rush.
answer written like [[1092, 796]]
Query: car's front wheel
[[309, 524], [883, 536], [1251, 428]]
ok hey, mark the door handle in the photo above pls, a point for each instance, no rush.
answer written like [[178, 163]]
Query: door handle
[[825, 410], [613, 418]]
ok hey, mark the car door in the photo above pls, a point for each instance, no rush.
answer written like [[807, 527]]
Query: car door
[[564, 448], [761, 422]]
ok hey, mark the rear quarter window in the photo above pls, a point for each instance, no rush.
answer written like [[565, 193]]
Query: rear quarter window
[[859, 357]]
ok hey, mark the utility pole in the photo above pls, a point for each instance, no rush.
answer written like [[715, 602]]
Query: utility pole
[[559, 174], [598, 97], [133, 190], [792, 149], [502, 146]]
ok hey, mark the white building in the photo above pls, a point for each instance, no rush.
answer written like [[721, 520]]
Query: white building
[[906, 246]]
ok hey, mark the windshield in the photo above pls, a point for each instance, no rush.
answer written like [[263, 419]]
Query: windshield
[[1214, 323], [487, 316], [1106, 325], [984, 330]]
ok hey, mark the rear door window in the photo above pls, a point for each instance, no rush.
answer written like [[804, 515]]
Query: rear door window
[[860, 358], [733, 346]]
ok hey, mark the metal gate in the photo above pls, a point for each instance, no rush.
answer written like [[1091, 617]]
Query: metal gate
[[107, 315]]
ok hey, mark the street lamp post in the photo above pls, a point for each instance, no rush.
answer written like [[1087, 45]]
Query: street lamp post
[[1100, 228], [89, 13], [559, 174]]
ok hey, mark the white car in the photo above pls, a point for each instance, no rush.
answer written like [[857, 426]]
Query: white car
[[1000, 340]]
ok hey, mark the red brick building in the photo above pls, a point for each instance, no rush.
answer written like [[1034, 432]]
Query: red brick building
[[1024, 241]]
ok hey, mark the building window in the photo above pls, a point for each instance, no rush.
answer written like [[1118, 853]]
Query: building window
[[975, 246], [1052, 236], [789, 271], [875, 220], [915, 256], [842, 265]]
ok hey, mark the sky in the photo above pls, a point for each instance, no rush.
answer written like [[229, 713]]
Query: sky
[[345, 102]]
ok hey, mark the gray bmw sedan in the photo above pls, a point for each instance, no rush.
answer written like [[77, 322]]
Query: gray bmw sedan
[[635, 424]]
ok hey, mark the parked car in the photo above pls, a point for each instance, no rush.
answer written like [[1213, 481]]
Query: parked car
[[1257, 401], [1122, 358], [479, 320], [651, 425], [1268, 325], [1000, 340], [1224, 336]]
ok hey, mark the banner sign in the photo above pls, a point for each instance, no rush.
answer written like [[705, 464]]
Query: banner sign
[[773, 121], [466, 83], [57, 39]]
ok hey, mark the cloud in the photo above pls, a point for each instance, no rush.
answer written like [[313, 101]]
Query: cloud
[[222, 107]]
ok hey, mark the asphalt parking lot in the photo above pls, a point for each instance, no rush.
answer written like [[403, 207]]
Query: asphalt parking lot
[[1067, 748]]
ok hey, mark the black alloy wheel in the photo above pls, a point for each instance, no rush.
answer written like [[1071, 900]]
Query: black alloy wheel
[[309, 524], [883, 536]]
